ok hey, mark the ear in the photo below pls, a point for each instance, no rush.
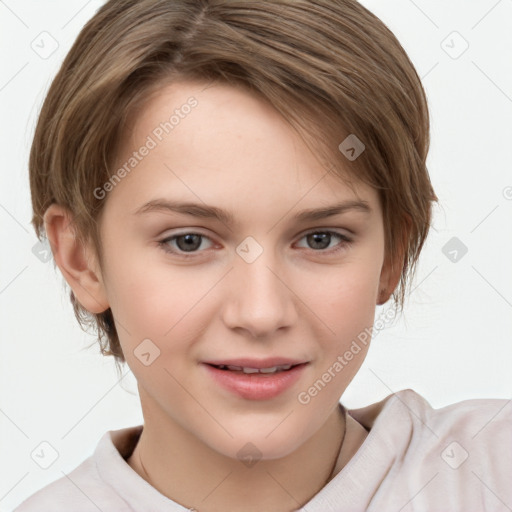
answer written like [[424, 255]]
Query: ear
[[77, 263], [389, 278], [392, 268]]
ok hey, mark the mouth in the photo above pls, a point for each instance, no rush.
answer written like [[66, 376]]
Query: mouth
[[253, 380], [251, 370]]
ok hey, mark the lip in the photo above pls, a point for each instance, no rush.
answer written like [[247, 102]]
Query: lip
[[249, 362], [256, 386]]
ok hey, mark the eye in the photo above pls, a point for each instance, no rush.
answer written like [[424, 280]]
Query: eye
[[320, 240], [188, 244], [185, 243]]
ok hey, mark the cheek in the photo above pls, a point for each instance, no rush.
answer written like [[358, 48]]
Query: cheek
[[345, 301], [159, 303], [345, 296]]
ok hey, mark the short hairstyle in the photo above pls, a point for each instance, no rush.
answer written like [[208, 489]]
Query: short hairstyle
[[330, 67]]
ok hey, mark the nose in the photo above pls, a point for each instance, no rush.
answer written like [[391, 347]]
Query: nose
[[258, 297]]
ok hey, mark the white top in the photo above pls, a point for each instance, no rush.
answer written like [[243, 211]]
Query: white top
[[415, 458]]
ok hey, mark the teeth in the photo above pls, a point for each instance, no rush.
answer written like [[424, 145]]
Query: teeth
[[250, 370], [269, 370], [276, 368], [245, 369]]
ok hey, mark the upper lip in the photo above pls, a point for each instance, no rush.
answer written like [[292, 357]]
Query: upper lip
[[248, 362]]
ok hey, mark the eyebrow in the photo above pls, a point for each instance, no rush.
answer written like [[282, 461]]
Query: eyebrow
[[206, 211]]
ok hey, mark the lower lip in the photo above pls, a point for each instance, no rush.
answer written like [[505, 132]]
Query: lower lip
[[256, 386]]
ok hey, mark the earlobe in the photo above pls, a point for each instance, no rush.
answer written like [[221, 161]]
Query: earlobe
[[78, 264]]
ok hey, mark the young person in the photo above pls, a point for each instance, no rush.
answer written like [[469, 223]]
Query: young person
[[229, 189]]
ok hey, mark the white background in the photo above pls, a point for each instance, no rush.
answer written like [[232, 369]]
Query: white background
[[454, 341]]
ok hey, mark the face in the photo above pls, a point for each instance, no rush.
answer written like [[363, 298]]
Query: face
[[188, 288]]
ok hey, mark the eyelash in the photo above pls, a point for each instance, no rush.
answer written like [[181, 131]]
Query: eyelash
[[345, 241]]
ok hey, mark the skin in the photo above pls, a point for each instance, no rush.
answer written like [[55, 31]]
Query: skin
[[297, 299]]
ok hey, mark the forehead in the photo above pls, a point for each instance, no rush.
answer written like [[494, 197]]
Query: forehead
[[216, 142]]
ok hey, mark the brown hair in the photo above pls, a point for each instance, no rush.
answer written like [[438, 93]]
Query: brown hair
[[330, 67]]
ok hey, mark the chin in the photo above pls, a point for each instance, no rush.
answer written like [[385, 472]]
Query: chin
[[260, 446]]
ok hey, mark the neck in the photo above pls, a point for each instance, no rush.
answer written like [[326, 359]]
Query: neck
[[195, 476]]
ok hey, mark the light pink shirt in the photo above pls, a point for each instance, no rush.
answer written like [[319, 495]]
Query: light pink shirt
[[415, 458]]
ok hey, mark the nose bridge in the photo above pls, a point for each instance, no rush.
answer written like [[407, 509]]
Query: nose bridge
[[258, 299]]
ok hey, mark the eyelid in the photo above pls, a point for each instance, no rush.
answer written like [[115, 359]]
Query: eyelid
[[326, 230]]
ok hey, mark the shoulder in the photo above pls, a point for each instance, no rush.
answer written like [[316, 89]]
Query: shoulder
[[81, 490], [455, 457], [409, 411], [461, 450], [479, 427], [490, 418]]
